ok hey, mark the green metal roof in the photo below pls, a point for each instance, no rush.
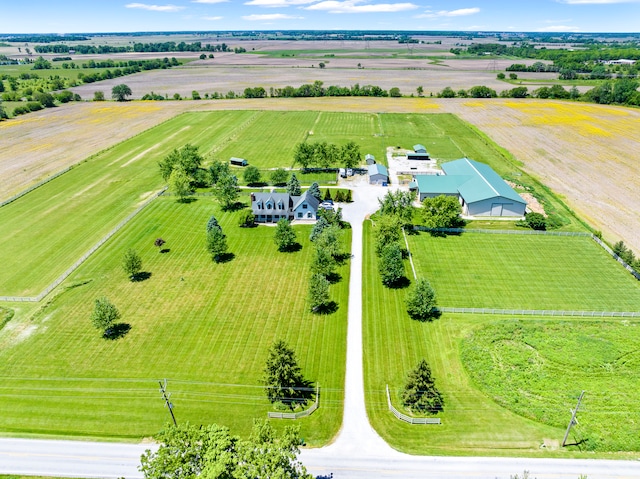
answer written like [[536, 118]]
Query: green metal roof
[[472, 180], [419, 147]]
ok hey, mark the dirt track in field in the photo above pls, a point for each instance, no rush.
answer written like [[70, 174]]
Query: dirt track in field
[[589, 154]]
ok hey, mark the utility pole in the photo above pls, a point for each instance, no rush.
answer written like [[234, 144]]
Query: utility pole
[[165, 396], [573, 419]]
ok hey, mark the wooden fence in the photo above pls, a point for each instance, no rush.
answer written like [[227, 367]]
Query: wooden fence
[[409, 419], [297, 415]]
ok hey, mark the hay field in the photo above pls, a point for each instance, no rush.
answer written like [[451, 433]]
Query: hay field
[[35, 146]]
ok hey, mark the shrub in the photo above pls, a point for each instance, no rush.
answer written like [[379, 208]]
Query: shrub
[[536, 221]]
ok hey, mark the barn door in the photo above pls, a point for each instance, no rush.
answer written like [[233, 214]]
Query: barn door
[[496, 209]]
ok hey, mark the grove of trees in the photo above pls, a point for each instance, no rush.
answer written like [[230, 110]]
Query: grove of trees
[[327, 155]]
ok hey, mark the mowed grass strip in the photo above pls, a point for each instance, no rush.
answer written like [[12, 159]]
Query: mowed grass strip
[[475, 270], [205, 327], [472, 424]]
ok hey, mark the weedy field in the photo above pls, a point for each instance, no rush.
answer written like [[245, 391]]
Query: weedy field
[[205, 327], [507, 383]]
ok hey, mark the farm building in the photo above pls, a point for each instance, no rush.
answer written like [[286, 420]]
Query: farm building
[[272, 207], [370, 159], [238, 161], [419, 153], [481, 191], [378, 174]]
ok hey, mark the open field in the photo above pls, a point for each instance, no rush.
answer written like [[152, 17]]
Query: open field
[[538, 368], [489, 410], [205, 327], [79, 205], [476, 270]]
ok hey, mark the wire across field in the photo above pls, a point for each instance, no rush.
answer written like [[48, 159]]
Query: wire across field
[[205, 327], [523, 272]]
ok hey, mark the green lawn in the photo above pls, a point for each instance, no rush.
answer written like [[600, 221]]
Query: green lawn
[[393, 343], [205, 327], [476, 270]]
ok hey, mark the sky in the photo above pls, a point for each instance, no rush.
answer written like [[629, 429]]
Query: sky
[[93, 16]]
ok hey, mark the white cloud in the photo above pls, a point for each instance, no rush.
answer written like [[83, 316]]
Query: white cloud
[[461, 12], [209, 1], [277, 3], [558, 28], [596, 2], [351, 6], [212, 19], [155, 8], [270, 16]]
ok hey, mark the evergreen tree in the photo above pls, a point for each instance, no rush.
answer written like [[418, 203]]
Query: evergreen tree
[[420, 393], [349, 197], [212, 223], [314, 190], [293, 186], [318, 228], [282, 377], [421, 301], [327, 195], [216, 244]]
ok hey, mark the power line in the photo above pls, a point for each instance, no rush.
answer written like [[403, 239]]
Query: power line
[[166, 400]]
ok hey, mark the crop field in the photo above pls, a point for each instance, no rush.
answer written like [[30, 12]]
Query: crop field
[[393, 346], [507, 383], [476, 270], [205, 327], [537, 368]]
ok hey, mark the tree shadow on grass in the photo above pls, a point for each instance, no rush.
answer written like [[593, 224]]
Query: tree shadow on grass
[[400, 283], [238, 205], [329, 308], [187, 200], [141, 276], [295, 247], [432, 316], [334, 277], [117, 331], [224, 258], [165, 250]]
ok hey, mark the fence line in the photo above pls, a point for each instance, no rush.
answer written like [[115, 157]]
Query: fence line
[[409, 419], [84, 257], [542, 312], [33, 187], [298, 415], [406, 242], [616, 257], [502, 232]]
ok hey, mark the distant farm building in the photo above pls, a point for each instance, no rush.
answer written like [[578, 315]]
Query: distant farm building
[[481, 191], [378, 174], [272, 207], [370, 159], [419, 153], [238, 161]]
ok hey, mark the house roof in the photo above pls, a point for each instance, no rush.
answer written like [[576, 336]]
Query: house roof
[[312, 200], [377, 169], [419, 148], [369, 156], [472, 180], [274, 198]]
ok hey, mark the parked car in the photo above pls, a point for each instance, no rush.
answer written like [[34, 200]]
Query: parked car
[[327, 205]]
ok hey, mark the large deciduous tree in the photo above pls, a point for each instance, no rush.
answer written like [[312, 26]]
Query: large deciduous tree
[[390, 265], [282, 378], [279, 177], [252, 175], [318, 293], [180, 184], [186, 158], [188, 451], [441, 212], [387, 231], [120, 92], [420, 393], [421, 301], [226, 191], [399, 204]]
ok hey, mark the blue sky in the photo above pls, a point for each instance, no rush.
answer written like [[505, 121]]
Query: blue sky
[[72, 16]]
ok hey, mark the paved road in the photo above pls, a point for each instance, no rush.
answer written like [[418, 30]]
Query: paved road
[[357, 453]]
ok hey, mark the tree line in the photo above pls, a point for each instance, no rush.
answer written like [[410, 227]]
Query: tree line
[[136, 47]]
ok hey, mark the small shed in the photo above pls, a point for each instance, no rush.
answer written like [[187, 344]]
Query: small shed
[[238, 161], [419, 148], [419, 153], [378, 174], [370, 159]]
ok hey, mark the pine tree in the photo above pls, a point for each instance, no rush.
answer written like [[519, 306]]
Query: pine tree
[[327, 194], [314, 190], [212, 223], [293, 186], [420, 392], [217, 244], [282, 375]]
